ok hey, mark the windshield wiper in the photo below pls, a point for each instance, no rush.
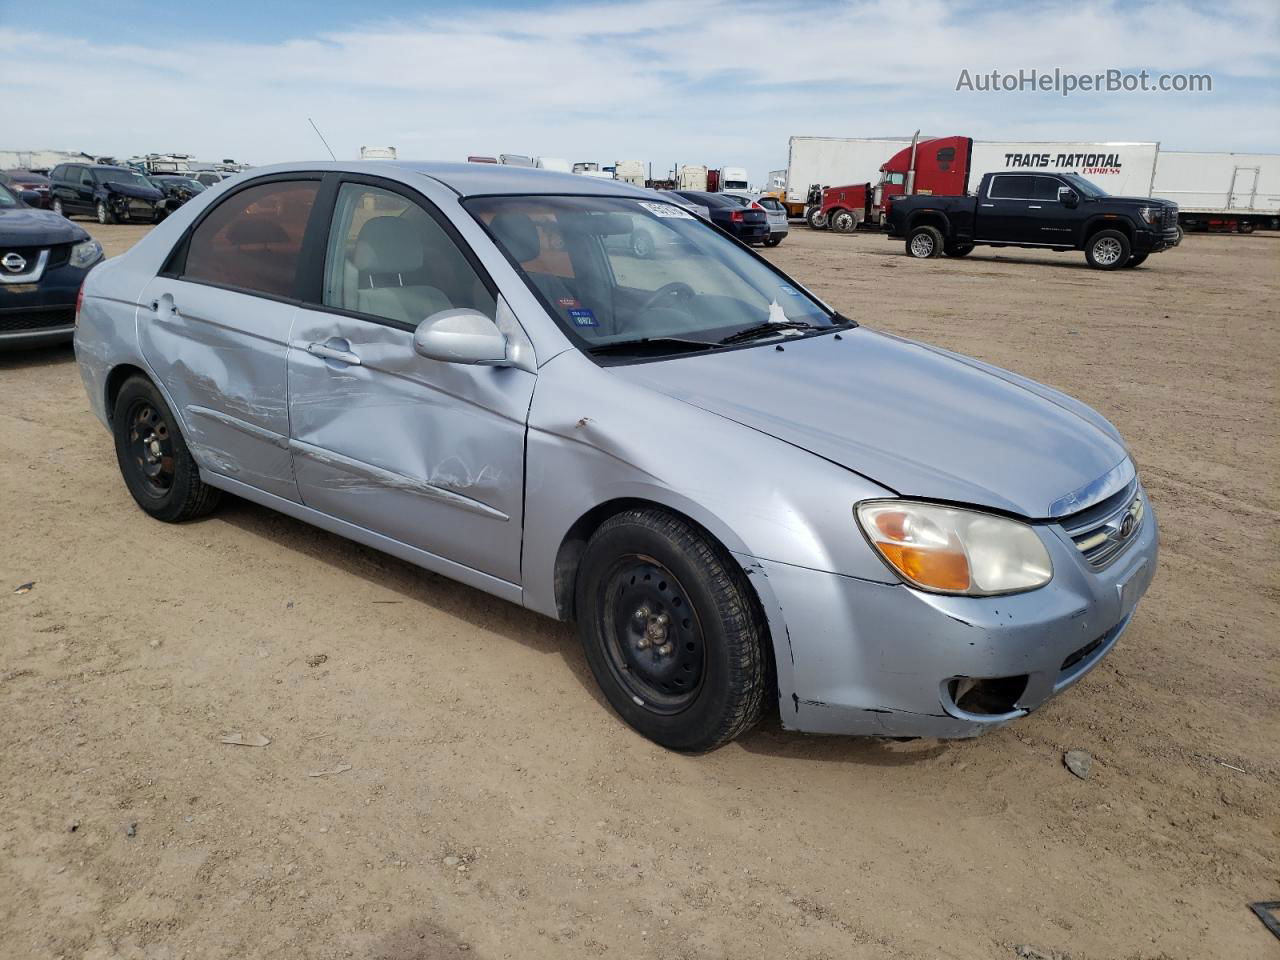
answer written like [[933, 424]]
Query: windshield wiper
[[641, 344], [764, 329]]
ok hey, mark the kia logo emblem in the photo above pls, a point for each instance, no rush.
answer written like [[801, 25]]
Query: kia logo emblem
[[13, 262]]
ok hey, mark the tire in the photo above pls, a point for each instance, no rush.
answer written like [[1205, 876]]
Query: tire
[[924, 243], [642, 244], [689, 683], [773, 241], [104, 214], [1245, 226], [816, 219], [57, 208], [1107, 250], [1181, 233], [961, 251], [1137, 260], [154, 460], [843, 221]]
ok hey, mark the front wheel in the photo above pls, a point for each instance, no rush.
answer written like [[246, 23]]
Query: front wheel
[[154, 460], [1107, 250], [642, 244], [670, 631], [924, 242], [1137, 260], [816, 219], [105, 216], [843, 221], [57, 208]]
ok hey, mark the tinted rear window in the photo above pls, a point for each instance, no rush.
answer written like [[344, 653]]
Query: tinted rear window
[[253, 239], [1012, 187]]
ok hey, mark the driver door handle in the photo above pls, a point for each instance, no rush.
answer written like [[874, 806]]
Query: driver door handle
[[333, 353]]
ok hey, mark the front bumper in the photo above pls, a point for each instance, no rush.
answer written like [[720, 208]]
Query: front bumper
[[134, 208], [1153, 241], [884, 659], [40, 313]]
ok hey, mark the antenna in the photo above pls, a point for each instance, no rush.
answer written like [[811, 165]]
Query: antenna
[[321, 136]]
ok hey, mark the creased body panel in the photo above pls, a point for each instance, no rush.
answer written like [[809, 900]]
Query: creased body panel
[[428, 453], [220, 356]]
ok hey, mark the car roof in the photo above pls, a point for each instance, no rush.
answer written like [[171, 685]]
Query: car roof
[[477, 179]]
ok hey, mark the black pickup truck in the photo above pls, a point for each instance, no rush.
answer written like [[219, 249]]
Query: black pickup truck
[[1054, 211]]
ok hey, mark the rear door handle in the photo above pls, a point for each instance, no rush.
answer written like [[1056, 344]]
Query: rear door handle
[[333, 353], [988, 204]]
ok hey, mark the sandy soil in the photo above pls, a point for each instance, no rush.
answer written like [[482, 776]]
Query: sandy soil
[[495, 808]]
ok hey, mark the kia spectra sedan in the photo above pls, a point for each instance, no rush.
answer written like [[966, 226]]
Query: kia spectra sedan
[[740, 496]]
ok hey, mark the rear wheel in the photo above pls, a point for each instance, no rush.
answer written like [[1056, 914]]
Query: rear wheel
[[154, 460], [670, 632], [1107, 250], [816, 218], [1245, 226], [642, 244], [1137, 260], [773, 241], [924, 242]]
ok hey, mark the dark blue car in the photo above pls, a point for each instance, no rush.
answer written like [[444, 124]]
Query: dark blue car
[[43, 260]]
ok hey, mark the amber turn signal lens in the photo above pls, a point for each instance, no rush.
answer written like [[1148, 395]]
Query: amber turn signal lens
[[940, 569]]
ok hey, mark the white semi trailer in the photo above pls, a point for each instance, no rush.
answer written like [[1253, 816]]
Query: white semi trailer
[[1221, 191]]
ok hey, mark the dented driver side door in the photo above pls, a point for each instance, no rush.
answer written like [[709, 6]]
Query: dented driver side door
[[427, 453]]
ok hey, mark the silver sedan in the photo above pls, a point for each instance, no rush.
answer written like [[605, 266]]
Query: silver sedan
[[745, 500]]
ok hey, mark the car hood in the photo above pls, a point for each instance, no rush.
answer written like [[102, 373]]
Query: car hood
[[920, 421], [1138, 201], [130, 190], [29, 227]]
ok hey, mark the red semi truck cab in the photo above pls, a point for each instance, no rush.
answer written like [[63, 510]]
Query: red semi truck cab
[[938, 166]]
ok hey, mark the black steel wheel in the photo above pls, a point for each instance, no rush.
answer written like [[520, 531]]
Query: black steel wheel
[[671, 631], [154, 460]]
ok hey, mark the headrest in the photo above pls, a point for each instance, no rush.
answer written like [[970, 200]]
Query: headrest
[[388, 245], [517, 232]]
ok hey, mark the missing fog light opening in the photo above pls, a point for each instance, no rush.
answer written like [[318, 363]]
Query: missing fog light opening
[[987, 697]]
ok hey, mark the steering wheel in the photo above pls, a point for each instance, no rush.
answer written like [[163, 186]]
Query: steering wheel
[[677, 289]]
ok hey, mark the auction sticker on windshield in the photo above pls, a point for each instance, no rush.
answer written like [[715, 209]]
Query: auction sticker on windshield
[[666, 210], [582, 317]]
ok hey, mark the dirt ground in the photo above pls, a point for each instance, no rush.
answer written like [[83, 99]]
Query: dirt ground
[[495, 808]]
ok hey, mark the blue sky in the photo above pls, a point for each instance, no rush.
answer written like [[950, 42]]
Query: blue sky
[[655, 80]]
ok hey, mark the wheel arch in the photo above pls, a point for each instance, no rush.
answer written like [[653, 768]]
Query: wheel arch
[[1103, 223], [116, 379], [930, 218]]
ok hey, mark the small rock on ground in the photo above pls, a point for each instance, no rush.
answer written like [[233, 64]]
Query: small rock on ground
[[1078, 762]]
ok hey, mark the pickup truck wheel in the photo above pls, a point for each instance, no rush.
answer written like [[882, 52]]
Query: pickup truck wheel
[[1107, 250], [1181, 233], [924, 242], [1137, 260], [670, 631], [843, 221], [960, 251], [157, 467], [816, 219]]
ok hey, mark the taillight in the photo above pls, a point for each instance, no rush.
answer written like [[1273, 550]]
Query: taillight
[[79, 304], [756, 206], [737, 216]]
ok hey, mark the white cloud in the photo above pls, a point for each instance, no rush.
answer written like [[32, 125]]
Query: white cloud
[[659, 80]]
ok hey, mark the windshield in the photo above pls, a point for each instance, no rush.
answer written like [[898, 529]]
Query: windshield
[[1087, 187], [613, 269], [7, 199], [121, 176]]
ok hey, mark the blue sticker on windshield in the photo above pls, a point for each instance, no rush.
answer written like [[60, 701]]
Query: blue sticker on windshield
[[582, 317], [789, 289]]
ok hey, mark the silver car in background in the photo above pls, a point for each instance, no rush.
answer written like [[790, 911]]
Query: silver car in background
[[779, 226], [743, 498]]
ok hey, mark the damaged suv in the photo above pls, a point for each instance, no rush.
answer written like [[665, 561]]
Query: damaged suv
[[109, 194], [739, 495]]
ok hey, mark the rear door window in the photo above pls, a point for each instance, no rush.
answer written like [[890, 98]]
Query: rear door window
[[1012, 187], [252, 240]]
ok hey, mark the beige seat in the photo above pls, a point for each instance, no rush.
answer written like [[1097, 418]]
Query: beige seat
[[388, 248]]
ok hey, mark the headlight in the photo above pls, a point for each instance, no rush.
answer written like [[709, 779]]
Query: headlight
[[86, 254], [1150, 214], [947, 550]]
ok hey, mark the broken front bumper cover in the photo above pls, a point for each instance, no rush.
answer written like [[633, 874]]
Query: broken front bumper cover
[[884, 659]]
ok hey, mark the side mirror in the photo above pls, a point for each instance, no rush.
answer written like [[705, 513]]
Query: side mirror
[[1068, 197], [29, 197], [461, 336]]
